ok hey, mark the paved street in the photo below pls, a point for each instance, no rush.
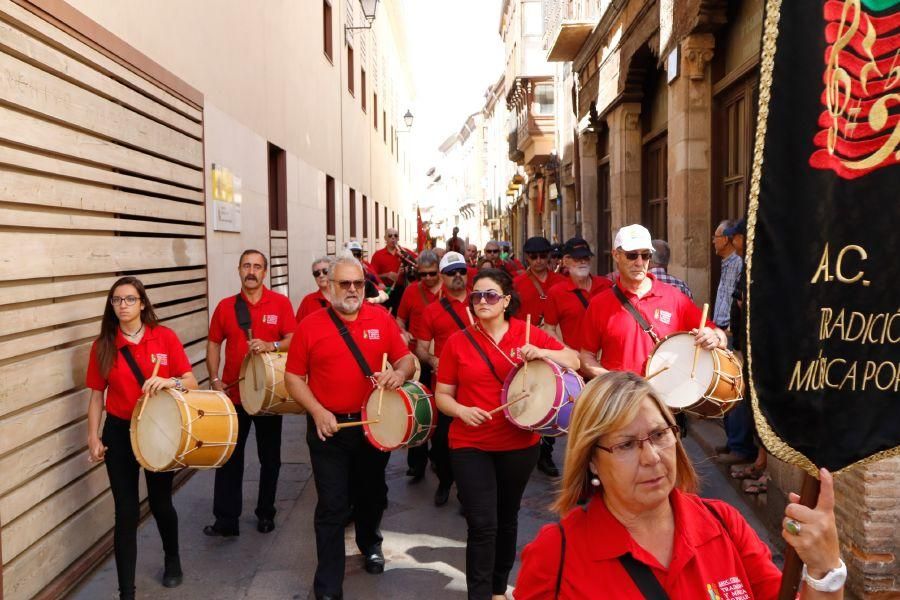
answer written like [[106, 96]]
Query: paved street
[[424, 545]]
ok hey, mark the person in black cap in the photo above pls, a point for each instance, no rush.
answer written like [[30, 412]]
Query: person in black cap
[[536, 281]]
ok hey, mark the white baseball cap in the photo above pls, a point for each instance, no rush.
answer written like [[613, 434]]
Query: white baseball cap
[[451, 261], [633, 237], [354, 245]]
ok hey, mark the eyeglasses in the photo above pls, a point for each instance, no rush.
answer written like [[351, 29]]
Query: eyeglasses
[[631, 449], [455, 272], [491, 297], [535, 255], [486, 251], [428, 273], [357, 255], [634, 255], [392, 235], [126, 300], [346, 284], [319, 272]]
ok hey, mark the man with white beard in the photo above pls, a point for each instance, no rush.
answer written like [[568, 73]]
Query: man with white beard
[[334, 359]]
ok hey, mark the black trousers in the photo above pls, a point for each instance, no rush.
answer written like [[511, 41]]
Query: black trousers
[[491, 485], [343, 458], [417, 458], [547, 443], [228, 493], [123, 470]]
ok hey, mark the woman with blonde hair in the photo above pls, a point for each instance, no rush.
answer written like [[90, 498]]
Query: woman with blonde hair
[[644, 533]]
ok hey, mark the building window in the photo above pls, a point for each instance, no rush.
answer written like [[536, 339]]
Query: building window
[[326, 30], [365, 216], [375, 110], [543, 103], [362, 87], [384, 125], [393, 136], [351, 76], [352, 212], [277, 188], [377, 222], [604, 205], [330, 228], [386, 225], [655, 199]]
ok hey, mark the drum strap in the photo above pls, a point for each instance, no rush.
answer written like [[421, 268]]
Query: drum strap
[[537, 284], [483, 355], [242, 313], [449, 308], [643, 578], [351, 344], [323, 302], [580, 293], [135, 369], [648, 329]]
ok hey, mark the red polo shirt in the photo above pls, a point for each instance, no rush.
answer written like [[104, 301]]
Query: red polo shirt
[[462, 366], [608, 327], [271, 319], [707, 560], [437, 324], [319, 351], [566, 310], [310, 304], [416, 297], [535, 302], [122, 389]]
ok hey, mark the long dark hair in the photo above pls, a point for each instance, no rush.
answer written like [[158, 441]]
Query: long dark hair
[[506, 286], [106, 343]]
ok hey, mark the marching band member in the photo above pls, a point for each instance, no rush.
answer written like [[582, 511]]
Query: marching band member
[[121, 363], [492, 459], [340, 350], [319, 298]]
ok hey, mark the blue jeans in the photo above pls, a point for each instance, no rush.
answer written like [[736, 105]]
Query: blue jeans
[[739, 430]]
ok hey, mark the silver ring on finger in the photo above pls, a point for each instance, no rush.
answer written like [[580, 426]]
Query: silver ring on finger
[[793, 527]]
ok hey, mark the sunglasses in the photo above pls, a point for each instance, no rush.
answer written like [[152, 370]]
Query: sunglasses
[[491, 297], [634, 255], [392, 235], [319, 272], [346, 284], [534, 255], [455, 272], [428, 273], [492, 252]]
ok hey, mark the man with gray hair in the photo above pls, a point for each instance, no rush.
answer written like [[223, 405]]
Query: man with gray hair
[[659, 267], [732, 265]]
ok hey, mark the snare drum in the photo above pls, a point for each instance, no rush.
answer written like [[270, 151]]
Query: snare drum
[[196, 428], [553, 392], [717, 385], [262, 385], [408, 417]]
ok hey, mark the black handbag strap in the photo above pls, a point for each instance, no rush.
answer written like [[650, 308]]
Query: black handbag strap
[[351, 344], [135, 369], [449, 308], [643, 578], [648, 329], [242, 313], [580, 293], [562, 558], [483, 355]]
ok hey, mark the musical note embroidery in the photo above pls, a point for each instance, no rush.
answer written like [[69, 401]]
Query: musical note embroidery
[[861, 120]]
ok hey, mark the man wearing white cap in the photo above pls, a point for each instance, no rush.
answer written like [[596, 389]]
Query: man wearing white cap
[[610, 328]]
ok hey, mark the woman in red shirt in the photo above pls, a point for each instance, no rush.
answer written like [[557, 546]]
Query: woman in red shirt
[[491, 458], [320, 298], [643, 522], [130, 325]]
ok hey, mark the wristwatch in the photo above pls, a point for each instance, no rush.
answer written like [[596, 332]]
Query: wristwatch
[[178, 385], [832, 581], [276, 345]]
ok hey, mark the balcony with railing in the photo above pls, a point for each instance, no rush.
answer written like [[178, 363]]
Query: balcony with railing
[[567, 25], [532, 107]]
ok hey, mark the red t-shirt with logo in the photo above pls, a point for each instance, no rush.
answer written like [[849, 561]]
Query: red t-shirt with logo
[[609, 328], [271, 319], [462, 366], [122, 389], [416, 298], [566, 309], [709, 559], [310, 304], [319, 352], [532, 302], [437, 324]]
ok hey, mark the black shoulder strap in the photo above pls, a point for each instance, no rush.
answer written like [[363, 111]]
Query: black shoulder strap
[[449, 308], [135, 369], [580, 293], [348, 339], [562, 558], [323, 302], [483, 355], [537, 284], [242, 312], [643, 578], [648, 329]]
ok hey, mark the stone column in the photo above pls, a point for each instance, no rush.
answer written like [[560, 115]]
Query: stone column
[[625, 148], [587, 152], [690, 173]]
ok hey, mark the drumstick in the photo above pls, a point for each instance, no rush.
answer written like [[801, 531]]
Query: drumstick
[[697, 348], [233, 383], [381, 391], [146, 397], [527, 339], [358, 423], [520, 397], [471, 318], [649, 377]]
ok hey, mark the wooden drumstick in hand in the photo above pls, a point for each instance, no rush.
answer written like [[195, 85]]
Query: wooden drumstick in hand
[[697, 348], [381, 391], [146, 396], [518, 398], [527, 341]]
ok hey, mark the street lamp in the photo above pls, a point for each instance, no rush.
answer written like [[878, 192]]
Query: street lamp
[[408, 119], [368, 7]]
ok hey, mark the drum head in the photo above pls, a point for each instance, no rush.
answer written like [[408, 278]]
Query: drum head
[[159, 430], [675, 385], [253, 383], [541, 384], [390, 432]]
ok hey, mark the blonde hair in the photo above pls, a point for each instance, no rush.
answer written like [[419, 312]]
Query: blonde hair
[[608, 403]]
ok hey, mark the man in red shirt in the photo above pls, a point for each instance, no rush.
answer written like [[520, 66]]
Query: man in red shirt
[[388, 261], [334, 359], [533, 285], [439, 321], [610, 329], [269, 318]]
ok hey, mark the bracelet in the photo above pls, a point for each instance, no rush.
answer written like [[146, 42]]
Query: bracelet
[[215, 379], [178, 385]]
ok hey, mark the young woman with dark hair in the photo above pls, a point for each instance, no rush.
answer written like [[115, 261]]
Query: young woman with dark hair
[[130, 325]]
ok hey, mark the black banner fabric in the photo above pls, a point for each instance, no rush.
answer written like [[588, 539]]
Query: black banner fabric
[[823, 254]]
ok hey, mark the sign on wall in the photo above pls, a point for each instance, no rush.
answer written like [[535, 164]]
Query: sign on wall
[[226, 199]]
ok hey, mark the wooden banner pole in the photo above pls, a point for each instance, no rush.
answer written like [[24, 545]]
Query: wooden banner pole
[[793, 566]]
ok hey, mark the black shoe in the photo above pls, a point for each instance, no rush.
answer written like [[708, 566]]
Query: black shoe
[[441, 495], [545, 465], [416, 474], [375, 562], [329, 597], [216, 531], [172, 576], [265, 525], [127, 595]]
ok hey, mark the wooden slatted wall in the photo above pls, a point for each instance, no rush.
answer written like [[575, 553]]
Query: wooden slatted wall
[[101, 175]]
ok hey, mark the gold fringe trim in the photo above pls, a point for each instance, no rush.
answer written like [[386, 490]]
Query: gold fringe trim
[[778, 447]]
